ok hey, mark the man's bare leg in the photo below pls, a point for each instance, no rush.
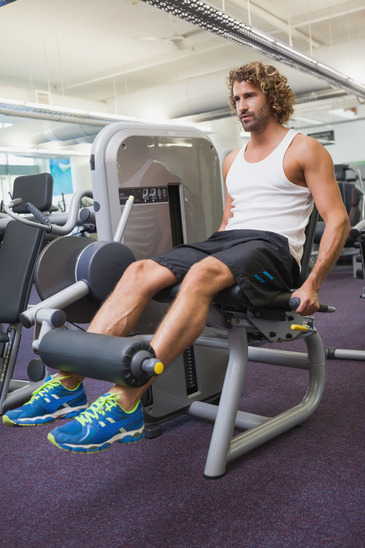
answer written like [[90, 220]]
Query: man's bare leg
[[120, 312], [187, 316], [184, 321]]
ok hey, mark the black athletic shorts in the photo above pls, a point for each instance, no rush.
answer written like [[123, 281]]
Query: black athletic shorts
[[260, 261]]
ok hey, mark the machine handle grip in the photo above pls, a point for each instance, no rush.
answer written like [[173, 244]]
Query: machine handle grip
[[16, 201], [58, 230], [295, 302], [123, 219], [41, 217]]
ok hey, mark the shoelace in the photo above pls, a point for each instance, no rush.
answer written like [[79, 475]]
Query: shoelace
[[52, 383], [99, 407]]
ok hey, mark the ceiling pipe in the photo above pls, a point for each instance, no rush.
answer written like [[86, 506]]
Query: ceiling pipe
[[38, 111], [209, 18], [57, 114]]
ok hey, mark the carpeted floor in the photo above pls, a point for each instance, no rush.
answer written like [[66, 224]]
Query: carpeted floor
[[303, 490]]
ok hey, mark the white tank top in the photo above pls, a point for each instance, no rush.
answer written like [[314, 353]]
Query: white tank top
[[265, 199]]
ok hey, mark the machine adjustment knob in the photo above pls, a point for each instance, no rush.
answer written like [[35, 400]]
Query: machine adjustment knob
[[144, 365], [152, 366]]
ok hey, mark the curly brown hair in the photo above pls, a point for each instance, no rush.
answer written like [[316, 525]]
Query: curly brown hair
[[271, 82]]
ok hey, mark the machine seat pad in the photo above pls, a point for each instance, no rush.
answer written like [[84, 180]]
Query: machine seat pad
[[232, 297]]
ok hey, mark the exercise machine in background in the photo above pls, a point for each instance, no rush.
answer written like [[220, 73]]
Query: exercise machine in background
[[20, 247], [352, 190], [23, 241], [358, 235]]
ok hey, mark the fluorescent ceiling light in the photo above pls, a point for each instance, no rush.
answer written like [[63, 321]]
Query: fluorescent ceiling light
[[18, 151], [4, 125], [344, 113], [307, 120]]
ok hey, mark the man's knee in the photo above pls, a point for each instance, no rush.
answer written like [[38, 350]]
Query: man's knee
[[138, 268], [209, 275], [140, 272], [148, 275]]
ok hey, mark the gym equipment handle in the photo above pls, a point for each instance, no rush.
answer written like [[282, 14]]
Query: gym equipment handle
[[295, 302], [123, 219], [59, 230], [42, 218]]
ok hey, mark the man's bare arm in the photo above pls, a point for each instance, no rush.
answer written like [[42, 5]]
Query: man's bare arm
[[228, 200], [319, 176]]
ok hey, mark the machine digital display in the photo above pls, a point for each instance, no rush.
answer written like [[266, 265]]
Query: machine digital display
[[144, 195]]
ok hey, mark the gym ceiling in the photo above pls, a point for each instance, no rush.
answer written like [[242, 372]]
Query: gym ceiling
[[91, 62]]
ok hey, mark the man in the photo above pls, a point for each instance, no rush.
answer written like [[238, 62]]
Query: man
[[270, 187]]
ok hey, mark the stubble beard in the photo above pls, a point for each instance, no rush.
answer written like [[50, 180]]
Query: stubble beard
[[258, 121]]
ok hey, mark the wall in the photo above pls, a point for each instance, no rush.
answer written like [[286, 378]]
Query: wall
[[349, 144]]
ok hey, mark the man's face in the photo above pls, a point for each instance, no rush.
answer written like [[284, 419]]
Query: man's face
[[252, 106]]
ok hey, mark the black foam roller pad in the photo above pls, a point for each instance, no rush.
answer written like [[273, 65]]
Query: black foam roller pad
[[91, 355]]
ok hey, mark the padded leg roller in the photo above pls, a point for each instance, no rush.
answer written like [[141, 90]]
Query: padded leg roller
[[123, 361]]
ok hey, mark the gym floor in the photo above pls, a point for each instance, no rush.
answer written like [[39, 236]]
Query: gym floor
[[304, 489]]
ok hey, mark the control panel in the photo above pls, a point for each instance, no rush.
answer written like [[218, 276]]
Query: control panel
[[144, 195]]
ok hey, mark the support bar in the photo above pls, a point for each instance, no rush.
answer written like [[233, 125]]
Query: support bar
[[271, 356], [343, 354], [225, 447], [60, 300]]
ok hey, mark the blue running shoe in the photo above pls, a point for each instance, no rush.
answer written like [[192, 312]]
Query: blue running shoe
[[104, 423], [49, 402]]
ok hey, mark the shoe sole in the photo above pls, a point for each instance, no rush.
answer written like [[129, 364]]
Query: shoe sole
[[128, 437], [39, 421]]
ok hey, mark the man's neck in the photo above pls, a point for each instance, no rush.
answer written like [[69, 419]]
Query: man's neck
[[270, 136], [263, 143]]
